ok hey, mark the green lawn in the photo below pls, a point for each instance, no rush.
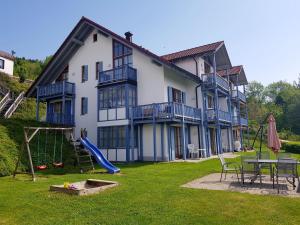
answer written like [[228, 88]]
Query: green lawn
[[147, 194]]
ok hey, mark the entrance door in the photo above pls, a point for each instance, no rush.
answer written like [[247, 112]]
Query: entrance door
[[212, 133], [178, 147]]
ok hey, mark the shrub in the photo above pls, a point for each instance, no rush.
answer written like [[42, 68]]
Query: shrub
[[293, 147]]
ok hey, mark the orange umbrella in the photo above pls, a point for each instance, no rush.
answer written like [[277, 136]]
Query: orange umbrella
[[273, 139]]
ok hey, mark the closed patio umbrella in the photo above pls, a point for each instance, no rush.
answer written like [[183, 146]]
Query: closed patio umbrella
[[273, 139]]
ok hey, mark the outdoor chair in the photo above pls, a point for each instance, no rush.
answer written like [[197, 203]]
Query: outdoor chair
[[265, 155], [193, 151], [250, 169], [286, 168], [228, 166]]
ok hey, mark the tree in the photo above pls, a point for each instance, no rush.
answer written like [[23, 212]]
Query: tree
[[255, 91]]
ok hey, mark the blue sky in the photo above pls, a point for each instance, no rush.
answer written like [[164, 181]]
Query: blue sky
[[262, 35]]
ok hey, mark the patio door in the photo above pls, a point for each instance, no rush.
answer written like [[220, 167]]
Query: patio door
[[213, 145]]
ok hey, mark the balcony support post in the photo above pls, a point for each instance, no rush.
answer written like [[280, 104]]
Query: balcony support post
[[183, 144], [37, 104], [154, 133], [162, 143], [169, 142], [231, 116], [131, 134], [141, 155], [63, 103]]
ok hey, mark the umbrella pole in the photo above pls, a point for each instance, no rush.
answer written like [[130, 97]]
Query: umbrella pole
[[261, 137]]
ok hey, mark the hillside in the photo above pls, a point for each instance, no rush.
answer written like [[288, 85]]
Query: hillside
[[11, 130]]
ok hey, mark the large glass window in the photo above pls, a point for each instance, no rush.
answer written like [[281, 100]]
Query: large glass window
[[122, 55], [114, 137], [114, 97]]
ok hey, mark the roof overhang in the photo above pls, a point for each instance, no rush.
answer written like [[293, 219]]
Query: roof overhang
[[239, 78]]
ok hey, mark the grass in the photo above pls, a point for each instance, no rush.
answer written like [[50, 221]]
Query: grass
[[149, 193]]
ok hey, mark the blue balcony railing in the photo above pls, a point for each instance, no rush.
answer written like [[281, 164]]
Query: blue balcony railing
[[56, 89], [59, 118], [210, 79], [236, 94], [244, 121], [223, 116], [123, 73], [239, 121], [166, 110]]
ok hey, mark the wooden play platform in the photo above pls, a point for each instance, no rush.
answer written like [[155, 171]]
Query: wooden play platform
[[87, 187]]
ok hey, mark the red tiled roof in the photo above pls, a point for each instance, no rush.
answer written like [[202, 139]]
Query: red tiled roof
[[193, 51], [6, 55], [233, 70]]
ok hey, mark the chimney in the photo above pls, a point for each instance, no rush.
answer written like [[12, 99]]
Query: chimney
[[128, 36]]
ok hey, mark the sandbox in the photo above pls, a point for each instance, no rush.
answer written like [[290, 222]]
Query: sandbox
[[87, 187]]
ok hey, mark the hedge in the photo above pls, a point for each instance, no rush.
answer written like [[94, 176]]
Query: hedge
[[293, 147]]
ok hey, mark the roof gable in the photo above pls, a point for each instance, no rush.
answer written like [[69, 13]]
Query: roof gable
[[7, 55], [193, 51], [72, 43]]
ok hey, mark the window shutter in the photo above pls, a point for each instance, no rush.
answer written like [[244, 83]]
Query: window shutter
[[100, 68], [170, 97], [183, 97], [86, 106], [85, 73]]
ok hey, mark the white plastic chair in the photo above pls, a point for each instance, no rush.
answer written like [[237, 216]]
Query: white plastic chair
[[193, 151]]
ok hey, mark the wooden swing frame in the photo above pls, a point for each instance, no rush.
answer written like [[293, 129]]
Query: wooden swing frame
[[28, 136]]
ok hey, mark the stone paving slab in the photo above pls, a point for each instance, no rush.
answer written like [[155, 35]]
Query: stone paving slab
[[212, 182]]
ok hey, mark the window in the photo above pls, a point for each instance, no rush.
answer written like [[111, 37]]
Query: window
[[175, 95], [122, 55], [84, 106], [1, 64], [57, 107], [206, 68], [210, 102], [113, 137], [114, 97], [99, 68], [84, 73], [95, 37]]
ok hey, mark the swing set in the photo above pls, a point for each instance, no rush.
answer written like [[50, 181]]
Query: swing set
[[46, 154]]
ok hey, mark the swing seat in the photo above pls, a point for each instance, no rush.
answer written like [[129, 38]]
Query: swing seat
[[58, 164], [41, 167]]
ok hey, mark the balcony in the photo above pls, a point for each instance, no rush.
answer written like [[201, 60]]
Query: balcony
[[210, 80], [60, 119], [166, 111], [223, 116], [57, 89], [117, 75], [237, 95], [239, 121]]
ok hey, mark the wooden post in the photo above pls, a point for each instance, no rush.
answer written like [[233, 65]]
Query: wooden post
[[29, 155]]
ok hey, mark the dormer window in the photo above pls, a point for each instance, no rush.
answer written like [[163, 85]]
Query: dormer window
[[95, 37]]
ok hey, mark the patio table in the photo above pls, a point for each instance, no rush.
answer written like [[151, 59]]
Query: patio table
[[272, 161]]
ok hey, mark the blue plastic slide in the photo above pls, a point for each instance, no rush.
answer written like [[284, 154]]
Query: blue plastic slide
[[101, 160]]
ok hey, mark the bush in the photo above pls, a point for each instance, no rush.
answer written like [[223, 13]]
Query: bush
[[293, 147]]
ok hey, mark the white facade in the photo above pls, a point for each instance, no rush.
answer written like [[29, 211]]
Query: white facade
[[157, 84], [6, 66]]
